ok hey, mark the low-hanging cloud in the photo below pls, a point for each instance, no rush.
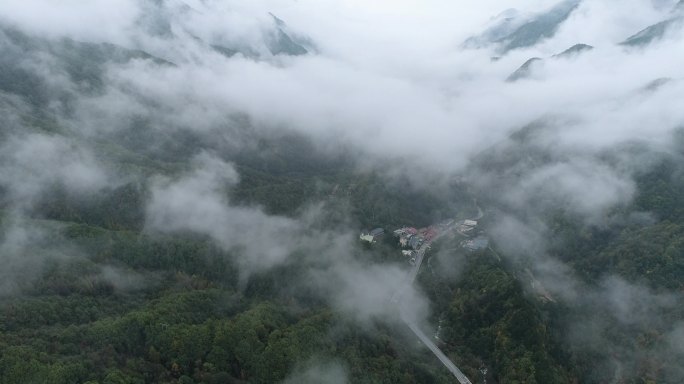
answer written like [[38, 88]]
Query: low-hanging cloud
[[394, 104], [198, 202], [33, 163], [26, 247], [391, 80]]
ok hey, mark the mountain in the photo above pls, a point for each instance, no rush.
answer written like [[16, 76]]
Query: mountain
[[182, 193], [679, 6], [539, 28], [516, 32], [170, 19], [574, 50], [503, 25], [653, 33], [656, 84], [281, 43], [524, 71], [84, 63], [528, 67], [277, 39]]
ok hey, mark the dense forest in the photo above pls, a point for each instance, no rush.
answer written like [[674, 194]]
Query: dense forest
[[113, 303], [169, 213]]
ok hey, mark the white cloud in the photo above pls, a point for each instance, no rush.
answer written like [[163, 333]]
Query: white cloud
[[32, 163], [97, 20]]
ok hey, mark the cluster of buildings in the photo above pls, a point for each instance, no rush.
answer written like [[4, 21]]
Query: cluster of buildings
[[412, 239], [409, 237]]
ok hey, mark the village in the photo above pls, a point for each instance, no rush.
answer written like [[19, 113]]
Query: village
[[412, 240]]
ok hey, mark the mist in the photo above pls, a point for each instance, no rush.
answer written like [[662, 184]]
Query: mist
[[395, 84]]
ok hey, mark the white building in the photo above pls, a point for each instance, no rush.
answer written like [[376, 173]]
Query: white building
[[367, 237]]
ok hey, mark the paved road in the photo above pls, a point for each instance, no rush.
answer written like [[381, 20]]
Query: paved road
[[440, 355], [420, 256], [412, 325]]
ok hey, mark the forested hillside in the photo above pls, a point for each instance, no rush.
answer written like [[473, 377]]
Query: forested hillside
[[341, 192]]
